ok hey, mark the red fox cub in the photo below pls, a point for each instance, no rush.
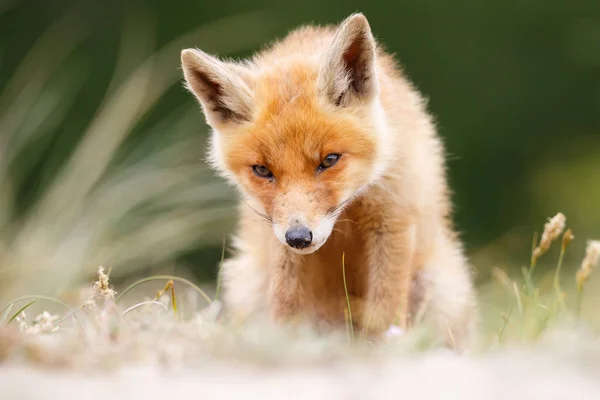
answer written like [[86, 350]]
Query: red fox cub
[[335, 156]]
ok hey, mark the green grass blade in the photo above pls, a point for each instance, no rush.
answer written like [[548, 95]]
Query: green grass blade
[[5, 314], [36, 297], [219, 272], [26, 306]]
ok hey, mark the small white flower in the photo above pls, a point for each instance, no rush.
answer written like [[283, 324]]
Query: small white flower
[[394, 331], [43, 323]]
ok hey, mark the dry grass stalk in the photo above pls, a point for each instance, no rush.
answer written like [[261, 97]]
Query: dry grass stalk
[[170, 285], [568, 237], [349, 309]]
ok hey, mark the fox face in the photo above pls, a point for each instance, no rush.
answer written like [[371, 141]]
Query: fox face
[[299, 138]]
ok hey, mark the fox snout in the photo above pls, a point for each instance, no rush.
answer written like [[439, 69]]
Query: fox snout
[[304, 236], [298, 237]]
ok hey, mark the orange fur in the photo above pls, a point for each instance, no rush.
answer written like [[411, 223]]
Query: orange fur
[[385, 204]]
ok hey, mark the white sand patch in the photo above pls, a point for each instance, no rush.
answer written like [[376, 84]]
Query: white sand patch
[[515, 375]]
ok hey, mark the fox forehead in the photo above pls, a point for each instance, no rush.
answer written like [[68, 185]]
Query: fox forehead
[[290, 82], [296, 137]]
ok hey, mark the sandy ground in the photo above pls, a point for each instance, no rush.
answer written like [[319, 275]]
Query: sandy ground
[[516, 374]]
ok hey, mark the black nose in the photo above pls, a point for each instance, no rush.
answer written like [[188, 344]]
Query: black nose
[[298, 237]]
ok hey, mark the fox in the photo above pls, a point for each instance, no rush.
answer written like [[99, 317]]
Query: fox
[[344, 206]]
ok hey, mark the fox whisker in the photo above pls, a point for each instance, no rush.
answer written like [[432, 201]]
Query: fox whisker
[[346, 220], [340, 231], [262, 215], [335, 210]]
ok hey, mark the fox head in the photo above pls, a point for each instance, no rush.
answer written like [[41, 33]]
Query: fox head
[[299, 136]]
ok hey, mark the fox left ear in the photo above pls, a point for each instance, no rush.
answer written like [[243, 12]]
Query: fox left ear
[[349, 69], [218, 86]]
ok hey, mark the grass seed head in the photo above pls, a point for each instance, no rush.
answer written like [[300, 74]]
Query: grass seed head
[[592, 256], [552, 230], [102, 285], [568, 237]]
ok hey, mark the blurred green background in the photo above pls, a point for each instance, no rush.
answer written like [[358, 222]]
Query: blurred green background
[[514, 87]]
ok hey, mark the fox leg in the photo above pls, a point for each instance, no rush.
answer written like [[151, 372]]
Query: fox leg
[[450, 297], [245, 283], [391, 272], [284, 293]]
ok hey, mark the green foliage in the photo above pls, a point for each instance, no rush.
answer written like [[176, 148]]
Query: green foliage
[[130, 188], [101, 149]]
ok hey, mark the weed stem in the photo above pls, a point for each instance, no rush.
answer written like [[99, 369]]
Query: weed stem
[[351, 327]]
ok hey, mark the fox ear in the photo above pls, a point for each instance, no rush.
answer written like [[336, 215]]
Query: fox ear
[[349, 68], [221, 91]]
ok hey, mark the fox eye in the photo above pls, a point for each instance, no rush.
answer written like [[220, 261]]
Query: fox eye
[[262, 172], [328, 162]]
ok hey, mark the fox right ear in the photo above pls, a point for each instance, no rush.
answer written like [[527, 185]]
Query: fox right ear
[[222, 93], [349, 69]]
